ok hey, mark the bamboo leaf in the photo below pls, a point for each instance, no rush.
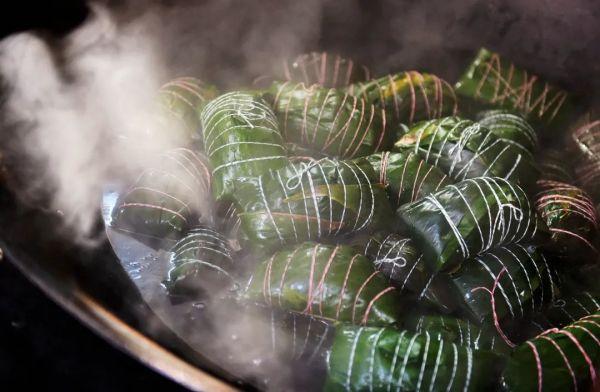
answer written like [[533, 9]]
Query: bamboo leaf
[[310, 200], [571, 216], [464, 220], [382, 359], [201, 264], [329, 121], [406, 176], [496, 81], [165, 197], [241, 138], [408, 97], [464, 149], [333, 282], [557, 360]]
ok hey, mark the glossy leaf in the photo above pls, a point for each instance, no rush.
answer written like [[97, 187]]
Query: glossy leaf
[[555, 165], [587, 169], [386, 359], [397, 258], [333, 282], [165, 198], [474, 216], [525, 283], [310, 200], [557, 360], [465, 149], [496, 81], [509, 127], [572, 218], [201, 264], [182, 99], [408, 97], [568, 309], [406, 176], [324, 69], [241, 138], [329, 121], [459, 331]]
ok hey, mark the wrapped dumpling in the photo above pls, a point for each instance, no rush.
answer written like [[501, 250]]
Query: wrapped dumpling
[[182, 99], [329, 121], [459, 331], [519, 276], [408, 97], [572, 219], [241, 138], [406, 176], [557, 360], [384, 359], [398, 259], [493, 80], [202, 263], [509, 127], [465, 149], [167, 198], [333, 282], [463, 220], [310, 200], [324, 69]]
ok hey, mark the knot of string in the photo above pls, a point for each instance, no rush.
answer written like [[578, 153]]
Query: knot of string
[[294, 181]]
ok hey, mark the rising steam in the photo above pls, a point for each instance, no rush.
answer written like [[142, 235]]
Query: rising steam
[[83, 109], [76, 119]]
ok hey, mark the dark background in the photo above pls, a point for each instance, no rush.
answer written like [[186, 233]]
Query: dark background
[[41, 346]]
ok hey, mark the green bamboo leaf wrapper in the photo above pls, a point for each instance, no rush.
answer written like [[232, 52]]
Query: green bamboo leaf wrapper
[[406, 176], [329, 121], [466, 149], [201, 264], [409, 96], [182, 99], [310, 200], [165, 198], [493, 80], [324, 69], [572, 219], [333, 282], [395, 256], [398, 259], [558, 360], [587, 145], [526, 286], [459, 331], [384, 359], [463, 220], [509, 127], [555, 165], [241, 138], [568, 309], [296, 151]]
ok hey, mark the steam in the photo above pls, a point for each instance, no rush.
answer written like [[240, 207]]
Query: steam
[[83, 110], [75, 120]]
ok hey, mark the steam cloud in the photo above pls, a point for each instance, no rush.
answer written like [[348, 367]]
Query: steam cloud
[[75, 119], [83, 108]]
